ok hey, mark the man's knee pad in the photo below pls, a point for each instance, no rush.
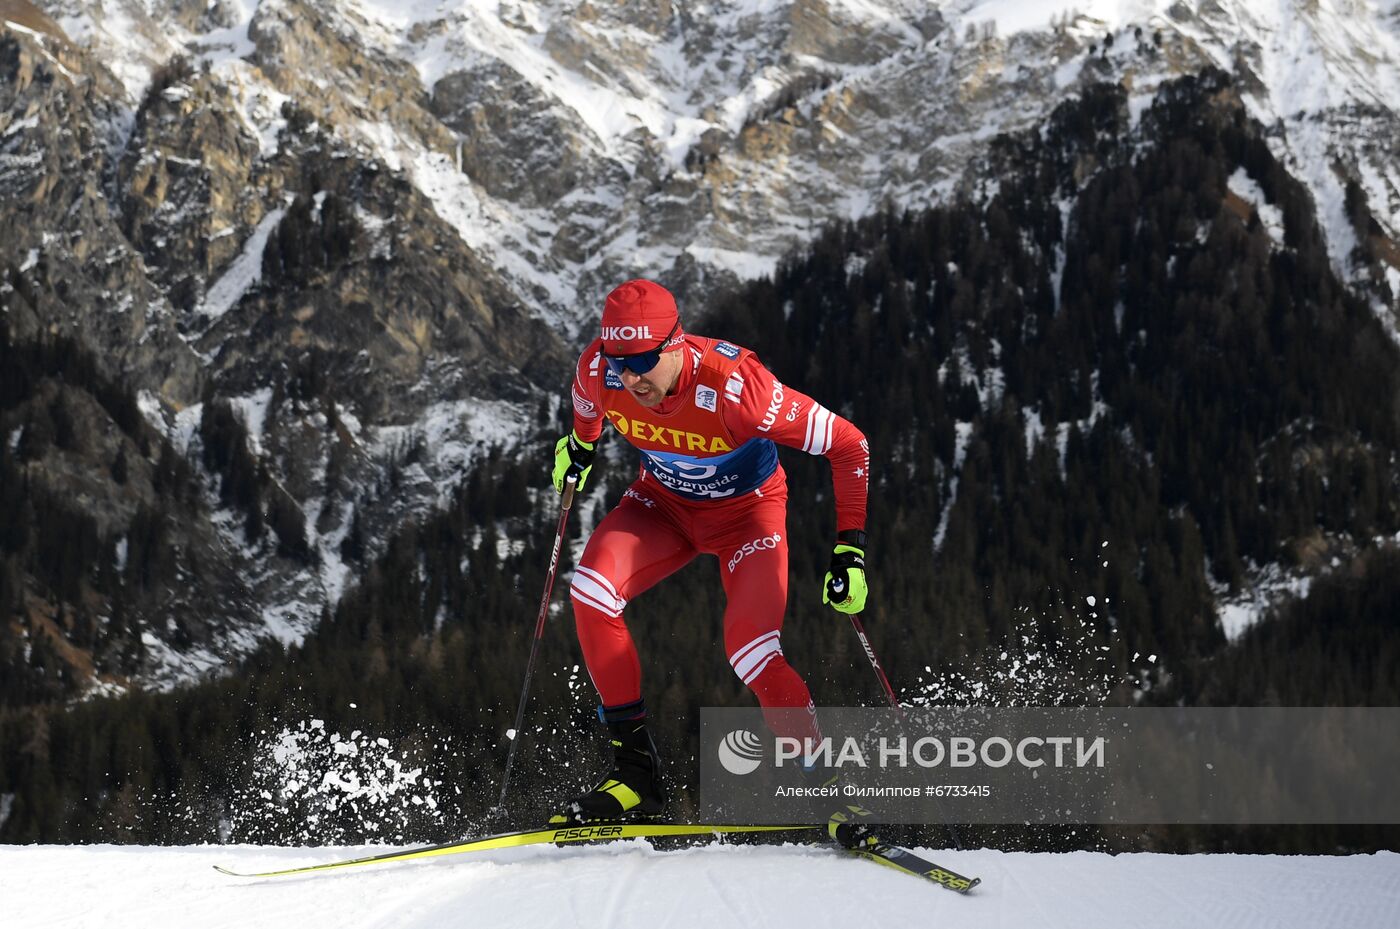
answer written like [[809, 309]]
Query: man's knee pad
[[593, 589], [750, 660]]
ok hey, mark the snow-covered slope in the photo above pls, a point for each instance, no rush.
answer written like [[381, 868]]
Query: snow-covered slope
[[633, 885]]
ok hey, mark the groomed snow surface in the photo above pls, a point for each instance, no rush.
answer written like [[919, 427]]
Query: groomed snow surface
[[632, 884]]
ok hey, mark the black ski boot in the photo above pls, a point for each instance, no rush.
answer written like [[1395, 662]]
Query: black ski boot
[[846, 826], [847, 829], [633, 787]]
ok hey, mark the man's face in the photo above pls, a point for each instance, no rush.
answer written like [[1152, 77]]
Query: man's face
[[651, 388]]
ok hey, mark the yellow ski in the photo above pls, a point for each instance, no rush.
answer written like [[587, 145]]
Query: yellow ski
[[901, 859], [599, 832]]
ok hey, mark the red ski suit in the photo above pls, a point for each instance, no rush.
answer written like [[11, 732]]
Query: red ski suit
[[710, 483]]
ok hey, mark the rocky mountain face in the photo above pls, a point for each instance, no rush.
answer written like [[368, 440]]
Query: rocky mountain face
[[336, 250], [296, 276]]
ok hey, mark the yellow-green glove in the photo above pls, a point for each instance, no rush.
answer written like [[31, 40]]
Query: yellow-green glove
[[845, 586], [572, 456]]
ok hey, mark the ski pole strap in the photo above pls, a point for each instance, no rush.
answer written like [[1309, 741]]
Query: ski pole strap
[[854, 537]]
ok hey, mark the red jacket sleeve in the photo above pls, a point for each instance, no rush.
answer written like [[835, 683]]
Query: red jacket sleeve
[[588, 394], [769, 409]]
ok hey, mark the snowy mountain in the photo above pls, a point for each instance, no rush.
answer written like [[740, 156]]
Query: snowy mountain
[[633, 885], [570, 143], [374, 230]]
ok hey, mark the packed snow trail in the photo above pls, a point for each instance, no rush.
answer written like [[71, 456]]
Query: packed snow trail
[[632, 885]]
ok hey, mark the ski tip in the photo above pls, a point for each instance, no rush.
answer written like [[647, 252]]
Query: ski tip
[[222, 870]]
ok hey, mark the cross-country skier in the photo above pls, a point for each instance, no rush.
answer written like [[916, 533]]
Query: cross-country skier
[[705, 415]]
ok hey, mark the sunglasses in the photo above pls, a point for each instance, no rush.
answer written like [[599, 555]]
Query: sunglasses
[[641, 362]]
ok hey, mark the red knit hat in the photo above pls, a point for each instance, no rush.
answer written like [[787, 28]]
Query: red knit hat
[[637, 316]]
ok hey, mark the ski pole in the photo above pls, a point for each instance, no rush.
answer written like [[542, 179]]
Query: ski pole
[[899, 710], [565, 502], [875, 663]]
